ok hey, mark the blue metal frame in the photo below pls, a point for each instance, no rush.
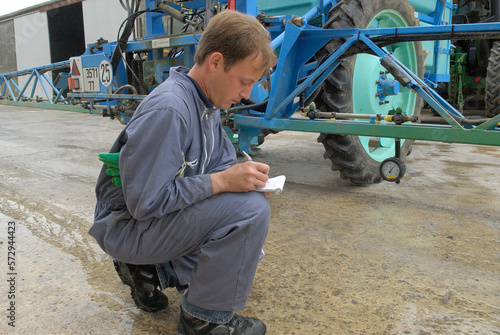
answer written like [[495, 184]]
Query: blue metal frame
[[36, 75], [297, 47], [300, 43], [441, 15]]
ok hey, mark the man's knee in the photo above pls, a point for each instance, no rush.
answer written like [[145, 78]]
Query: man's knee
[[259, 208]]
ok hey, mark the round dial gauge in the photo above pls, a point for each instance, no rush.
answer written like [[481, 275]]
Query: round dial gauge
[[392, 169]]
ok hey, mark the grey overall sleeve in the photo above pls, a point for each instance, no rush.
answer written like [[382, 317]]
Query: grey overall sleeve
[[149, 161]]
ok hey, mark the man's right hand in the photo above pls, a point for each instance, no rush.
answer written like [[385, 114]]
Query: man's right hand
[[241, 177]]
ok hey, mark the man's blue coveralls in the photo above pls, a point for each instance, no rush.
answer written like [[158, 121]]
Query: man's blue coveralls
[[166, 211]]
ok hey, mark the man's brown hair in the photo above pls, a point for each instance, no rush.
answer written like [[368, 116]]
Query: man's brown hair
[[236, 36]]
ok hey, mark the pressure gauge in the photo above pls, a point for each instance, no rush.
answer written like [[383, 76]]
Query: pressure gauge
[[392, 169]]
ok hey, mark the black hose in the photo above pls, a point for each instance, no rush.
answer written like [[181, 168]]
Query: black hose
[[248, 104], [122, 42], [386, 40]]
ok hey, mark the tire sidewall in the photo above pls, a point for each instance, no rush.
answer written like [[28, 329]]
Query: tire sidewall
[[369, 10]]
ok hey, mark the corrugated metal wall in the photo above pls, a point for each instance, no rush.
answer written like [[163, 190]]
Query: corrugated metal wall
[[7, 47]]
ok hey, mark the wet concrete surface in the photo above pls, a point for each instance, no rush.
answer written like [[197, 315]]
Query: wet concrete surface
[[421, 257]]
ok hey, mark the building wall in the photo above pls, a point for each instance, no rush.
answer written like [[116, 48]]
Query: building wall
[[25, 39], [102, 18], [32, 44]]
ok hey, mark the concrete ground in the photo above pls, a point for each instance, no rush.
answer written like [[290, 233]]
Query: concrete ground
[[422, 257]]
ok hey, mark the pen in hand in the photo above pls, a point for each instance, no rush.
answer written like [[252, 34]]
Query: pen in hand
[[249, 159], [247, 156]]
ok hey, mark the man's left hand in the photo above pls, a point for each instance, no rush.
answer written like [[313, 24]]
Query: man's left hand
[[112, 162]]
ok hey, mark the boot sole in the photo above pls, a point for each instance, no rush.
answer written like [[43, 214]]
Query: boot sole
[[126, 280]]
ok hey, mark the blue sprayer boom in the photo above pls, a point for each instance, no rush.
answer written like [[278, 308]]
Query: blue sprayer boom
[[357, 72]]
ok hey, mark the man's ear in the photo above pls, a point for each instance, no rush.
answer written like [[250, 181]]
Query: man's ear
[[215, 61]]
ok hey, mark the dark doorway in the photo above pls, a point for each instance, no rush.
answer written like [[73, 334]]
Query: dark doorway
[[66, 34]]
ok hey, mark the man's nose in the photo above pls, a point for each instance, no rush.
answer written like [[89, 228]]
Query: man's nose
[[245, 93]]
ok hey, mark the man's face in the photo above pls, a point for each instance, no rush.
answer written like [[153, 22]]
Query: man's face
[[229, 87]]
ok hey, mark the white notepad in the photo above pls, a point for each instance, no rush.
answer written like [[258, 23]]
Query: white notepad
[[275, 185]]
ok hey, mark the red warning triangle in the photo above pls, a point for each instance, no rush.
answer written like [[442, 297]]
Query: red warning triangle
[[74, 69]]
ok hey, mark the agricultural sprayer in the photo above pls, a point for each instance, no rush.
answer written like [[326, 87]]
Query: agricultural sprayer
[[357, 72]]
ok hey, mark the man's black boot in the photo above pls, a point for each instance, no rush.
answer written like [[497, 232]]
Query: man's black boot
[[143, 281], [238, 325]]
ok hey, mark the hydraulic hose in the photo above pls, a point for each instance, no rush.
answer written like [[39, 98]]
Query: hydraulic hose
[[125, 87], [248, 104], [122, 42]]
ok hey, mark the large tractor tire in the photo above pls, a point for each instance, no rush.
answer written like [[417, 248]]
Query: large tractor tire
[[352, 88], [492, 90]]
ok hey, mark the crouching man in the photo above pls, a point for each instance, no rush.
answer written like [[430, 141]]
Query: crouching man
[[185, 215]]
